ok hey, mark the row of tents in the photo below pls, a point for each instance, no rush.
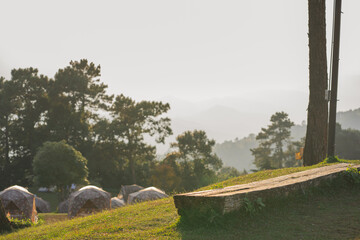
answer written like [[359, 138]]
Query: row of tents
[[18, 202]]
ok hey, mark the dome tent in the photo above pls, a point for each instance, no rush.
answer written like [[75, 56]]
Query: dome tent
[[126, 190], [117, 202], [88, 200], [42, 206], [4, 221], [147, 194], [63, 206], [19, 203]]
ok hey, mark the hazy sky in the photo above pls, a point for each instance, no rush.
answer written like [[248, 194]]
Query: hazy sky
[[192, 50]]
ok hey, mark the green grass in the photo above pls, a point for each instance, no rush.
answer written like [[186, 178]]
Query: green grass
[[333, 214], [49, 218]]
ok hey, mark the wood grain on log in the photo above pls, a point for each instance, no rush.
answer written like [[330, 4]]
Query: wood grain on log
[[231, 198]]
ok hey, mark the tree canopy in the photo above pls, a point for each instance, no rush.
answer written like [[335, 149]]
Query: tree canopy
[[58, 164], [132, 121], [74, 106], [193, 160], [273, 141]]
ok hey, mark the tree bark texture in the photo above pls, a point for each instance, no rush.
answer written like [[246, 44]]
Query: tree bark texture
[[316, 132]]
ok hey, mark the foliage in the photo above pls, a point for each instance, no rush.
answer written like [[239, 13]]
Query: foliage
[[165, 177], [193, 160], [217, 186], [228, 172], [295, 219], [132, 121], [252, 207], [23, 105], [58, 164], [352, 175], [76, 95], [74, 106], [331, 159], [21, 223], [270, 153]]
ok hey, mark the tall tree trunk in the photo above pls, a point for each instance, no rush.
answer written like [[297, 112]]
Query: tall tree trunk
[[316, 132], [131, 155], [7, 144], [132, 169], [4, 221], [7, 174]]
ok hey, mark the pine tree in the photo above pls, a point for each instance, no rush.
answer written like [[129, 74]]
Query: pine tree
[[270, 153]]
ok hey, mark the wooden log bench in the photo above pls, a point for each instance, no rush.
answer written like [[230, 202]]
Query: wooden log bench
[[229, 199]]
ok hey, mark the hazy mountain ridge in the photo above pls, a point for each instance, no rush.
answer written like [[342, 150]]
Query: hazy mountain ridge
[[237, 152], [349, 119], [234, 122], [232, 117]]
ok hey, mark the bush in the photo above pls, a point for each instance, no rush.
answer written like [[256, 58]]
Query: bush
[[59, 164]]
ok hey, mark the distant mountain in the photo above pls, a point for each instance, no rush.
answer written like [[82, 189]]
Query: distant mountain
[[229, 120], [349, 119], [236, 153], [231, 117]]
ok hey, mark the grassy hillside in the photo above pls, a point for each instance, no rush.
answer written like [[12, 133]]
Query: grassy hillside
[[326, 215]]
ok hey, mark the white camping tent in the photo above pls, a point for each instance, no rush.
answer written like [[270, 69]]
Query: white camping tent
[[147, 194]]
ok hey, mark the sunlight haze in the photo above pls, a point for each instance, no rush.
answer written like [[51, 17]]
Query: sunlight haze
[[241, 59]]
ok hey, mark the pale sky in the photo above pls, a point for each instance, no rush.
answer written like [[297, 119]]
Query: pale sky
[[191, 50]]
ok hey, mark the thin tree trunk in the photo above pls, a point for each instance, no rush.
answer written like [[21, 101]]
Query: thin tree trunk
[[7, 174], [7, 145], [316, 132], [131, 157], [132, 169]]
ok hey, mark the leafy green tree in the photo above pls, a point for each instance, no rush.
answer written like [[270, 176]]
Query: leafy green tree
[[132, 121], [76, 97], [28, 130], [293, 147], [198, 163], [58, 164], [228, 172], [262, 155], [106, 163], [23, 108], [270, 153], [164, 176], [7, 110]]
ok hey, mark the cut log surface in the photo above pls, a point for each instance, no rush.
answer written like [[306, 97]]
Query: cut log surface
[[231, 198]]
